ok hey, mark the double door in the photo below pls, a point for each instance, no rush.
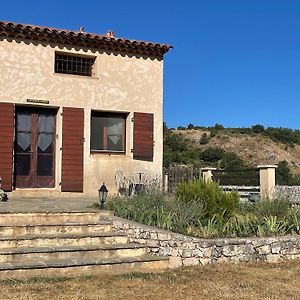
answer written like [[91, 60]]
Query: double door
[[35, 148]]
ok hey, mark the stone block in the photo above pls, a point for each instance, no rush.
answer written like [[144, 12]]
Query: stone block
[[190, 246], [266, 249], [186, 253], [273, 258], [197, 253], [153, 235], [152, 243], [174, 252], [275, 248], [207, 252], [163, 236], [191, 261], [175, 262], [204, 261]]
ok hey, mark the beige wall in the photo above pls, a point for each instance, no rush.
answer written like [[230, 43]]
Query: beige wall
[[122, 83]]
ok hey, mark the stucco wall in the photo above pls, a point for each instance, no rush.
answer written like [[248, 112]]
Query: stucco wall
[[122, 83]]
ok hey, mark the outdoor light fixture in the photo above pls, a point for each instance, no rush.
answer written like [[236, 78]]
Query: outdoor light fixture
[[103, 191]]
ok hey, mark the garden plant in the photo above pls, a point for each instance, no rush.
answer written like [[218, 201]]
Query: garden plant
[[203, 209]]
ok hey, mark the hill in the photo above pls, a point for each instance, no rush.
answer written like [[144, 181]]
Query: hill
[[232, 148]]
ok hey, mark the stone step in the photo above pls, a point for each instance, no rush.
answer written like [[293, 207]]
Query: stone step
[[70, 227], [52, 240], [25, 254], [83, 266], [52, 218]]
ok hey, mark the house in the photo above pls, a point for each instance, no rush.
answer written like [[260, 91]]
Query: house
[[75, 108]]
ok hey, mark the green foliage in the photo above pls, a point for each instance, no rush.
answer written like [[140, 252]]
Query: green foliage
[[258, 128], [231, 161], [284, 176], [277, 207], [218, 127], [204, 210], [283, 135], [283, 173], [178, 151], [210, 195], [212, 154], [204, 139]]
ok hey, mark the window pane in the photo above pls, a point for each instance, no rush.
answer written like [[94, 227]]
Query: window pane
[[23, 164], [44, 165], [107, 132], [45, 133]]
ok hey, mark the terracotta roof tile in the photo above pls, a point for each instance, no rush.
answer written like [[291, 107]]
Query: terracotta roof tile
[[77, 38]]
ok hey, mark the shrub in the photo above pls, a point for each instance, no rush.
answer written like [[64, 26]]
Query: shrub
[[258, 128], [277, 207], [212, 154], [231, 161], [202, 209], [204, 139], [210, 195]]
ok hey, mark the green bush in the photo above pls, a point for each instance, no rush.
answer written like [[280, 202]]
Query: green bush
[[277, 207], [204, 139], [210, 195], [212, 154]]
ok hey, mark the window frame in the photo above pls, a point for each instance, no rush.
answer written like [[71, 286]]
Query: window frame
[[110, 114], [76, 55]]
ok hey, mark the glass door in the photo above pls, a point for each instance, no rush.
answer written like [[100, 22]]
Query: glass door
[[35, 148]]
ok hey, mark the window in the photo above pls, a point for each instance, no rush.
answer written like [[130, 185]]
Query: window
[[74, 64], [108, 132]]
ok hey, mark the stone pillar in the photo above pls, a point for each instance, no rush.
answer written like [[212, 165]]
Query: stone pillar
[[267, 181], [207, 173]]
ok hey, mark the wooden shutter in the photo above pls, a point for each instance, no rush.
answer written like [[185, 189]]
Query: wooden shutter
[[143, 136], [6, 144], [72, 150]]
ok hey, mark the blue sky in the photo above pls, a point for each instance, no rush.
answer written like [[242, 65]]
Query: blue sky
[[234, 62]]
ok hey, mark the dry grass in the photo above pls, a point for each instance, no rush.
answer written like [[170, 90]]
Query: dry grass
[[226, 281]]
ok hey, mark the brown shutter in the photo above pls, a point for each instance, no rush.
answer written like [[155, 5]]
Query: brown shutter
[[6, 144], [72, 150], [143, 136]]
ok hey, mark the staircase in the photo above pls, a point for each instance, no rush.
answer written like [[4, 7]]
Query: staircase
[[48, 244]]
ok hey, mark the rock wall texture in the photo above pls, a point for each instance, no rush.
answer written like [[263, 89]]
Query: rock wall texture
[[186, 251], [291, 192]]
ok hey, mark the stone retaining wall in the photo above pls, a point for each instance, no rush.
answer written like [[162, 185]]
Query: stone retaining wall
[[185, 250], [291, 192]]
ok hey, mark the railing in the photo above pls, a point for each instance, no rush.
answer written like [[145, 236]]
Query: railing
[[240, 177], [246, 193]]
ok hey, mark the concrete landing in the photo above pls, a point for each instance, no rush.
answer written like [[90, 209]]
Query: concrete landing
[[47, 204]]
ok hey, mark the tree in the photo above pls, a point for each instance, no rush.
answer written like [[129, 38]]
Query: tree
[[212, 154], [258, 128], [283, 173]]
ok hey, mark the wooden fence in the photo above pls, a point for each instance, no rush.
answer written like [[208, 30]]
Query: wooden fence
[[176, 174]]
